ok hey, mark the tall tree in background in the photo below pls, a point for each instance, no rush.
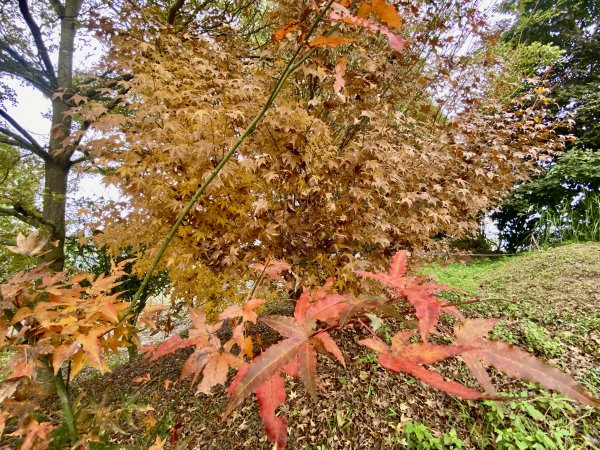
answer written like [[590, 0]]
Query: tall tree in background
[[37, 45], [38, 41], [574, 27]]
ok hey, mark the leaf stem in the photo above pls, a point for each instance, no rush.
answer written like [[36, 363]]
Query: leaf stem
[[369, 329]]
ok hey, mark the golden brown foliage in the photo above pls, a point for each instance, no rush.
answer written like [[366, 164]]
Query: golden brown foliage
[[405, 150]]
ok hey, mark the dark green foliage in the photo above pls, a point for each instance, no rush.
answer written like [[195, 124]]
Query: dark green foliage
[[573, 26], [565, 187]]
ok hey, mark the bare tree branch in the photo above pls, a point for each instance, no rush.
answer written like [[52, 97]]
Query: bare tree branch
[[39, 41], [174, 10], [36, 148], [33, 218], [15, 140], [79, 160], [15, 64]]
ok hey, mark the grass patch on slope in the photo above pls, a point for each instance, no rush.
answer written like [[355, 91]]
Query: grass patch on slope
[[549, 303]]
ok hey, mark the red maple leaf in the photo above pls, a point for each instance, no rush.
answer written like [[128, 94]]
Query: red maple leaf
[[408, 358], [513, 361], [295, 355], [419, 293]]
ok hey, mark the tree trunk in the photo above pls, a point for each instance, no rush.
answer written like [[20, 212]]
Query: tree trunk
[[57, 169], [55, 202]]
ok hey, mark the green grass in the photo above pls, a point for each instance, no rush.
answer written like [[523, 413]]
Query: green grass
[[467, 277], [551, 310], [569, 224]]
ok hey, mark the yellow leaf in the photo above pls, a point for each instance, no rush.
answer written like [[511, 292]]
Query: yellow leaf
[[332, 41], [283, 32], [383, 10]]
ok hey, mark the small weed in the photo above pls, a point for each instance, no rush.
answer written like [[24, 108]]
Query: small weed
[[369, 358], [538, 340], [503, 333], [537, 424], [115, 361], [385, 333], [341, 421], [419, 436]]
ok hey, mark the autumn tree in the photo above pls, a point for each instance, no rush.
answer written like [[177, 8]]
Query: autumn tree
[[38, 44], [382, 138], [350, 176]]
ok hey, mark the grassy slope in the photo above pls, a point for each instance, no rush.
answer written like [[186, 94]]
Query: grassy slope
[[551, 307], [558, 290]]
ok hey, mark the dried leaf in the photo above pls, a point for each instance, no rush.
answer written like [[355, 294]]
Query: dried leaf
[[31, 245], [329, 41]]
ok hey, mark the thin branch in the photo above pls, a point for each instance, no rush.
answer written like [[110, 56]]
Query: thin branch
[[366, 327], [35, 146], [39, 41], [174, 10], [259, 280], [15, 64], [24, 215], [79, 160], [291, 66], [14, 140]]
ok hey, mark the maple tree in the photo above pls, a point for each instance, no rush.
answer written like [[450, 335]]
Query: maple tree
[[338, 162], [38, 41], [322, 163], [49, 322]]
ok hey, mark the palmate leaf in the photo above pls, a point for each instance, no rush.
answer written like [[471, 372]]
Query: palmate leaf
[[31, 245], [296, 356], [261, 369], [516, 362], [408, 359], [246, 312], [210, 359], [420, 294]]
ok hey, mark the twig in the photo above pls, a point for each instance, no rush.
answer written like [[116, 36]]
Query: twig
[[369, 329]]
